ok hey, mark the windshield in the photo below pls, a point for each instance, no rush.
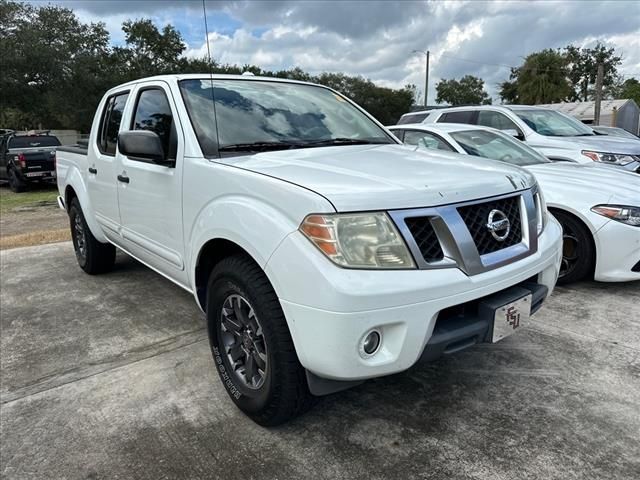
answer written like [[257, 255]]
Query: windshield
[[257, 115], [33, 141], [553, 124], [497, 146]]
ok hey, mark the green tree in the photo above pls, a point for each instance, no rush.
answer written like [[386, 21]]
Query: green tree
[[630, 89], [583, 68], [543, 78], [469, 90]]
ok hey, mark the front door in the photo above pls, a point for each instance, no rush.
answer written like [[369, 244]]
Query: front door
[[150, 195]]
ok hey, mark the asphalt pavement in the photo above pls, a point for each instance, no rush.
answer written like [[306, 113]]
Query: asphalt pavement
[[111, 377]]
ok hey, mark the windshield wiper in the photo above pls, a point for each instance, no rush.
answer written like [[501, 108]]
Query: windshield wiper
[[343, 141], [265, 146], [258, 146]]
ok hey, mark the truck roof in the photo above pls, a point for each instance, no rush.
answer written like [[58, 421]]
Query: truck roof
[[212, 76]]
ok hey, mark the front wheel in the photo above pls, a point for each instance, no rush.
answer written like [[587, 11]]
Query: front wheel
[[93, 256], [578, 253], [251, 345]]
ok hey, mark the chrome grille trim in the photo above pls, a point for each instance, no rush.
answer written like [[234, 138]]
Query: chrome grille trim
[[456, 241]]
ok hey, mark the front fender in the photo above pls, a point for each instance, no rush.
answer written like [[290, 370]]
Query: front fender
[[252, 224], [74, 179]]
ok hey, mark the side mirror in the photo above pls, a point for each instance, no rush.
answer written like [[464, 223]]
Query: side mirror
[[143, 145], [514, 133]]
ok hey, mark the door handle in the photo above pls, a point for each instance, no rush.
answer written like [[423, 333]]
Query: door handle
[[123, 179], [93, 170]]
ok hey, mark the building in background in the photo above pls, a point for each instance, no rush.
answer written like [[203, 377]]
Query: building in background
[[613, 113]]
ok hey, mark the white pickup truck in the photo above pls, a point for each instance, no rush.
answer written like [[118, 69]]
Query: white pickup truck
[[322, 251]]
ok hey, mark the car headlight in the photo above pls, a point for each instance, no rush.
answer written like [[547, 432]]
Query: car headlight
[[358, 240], [542, 214], [621, 213], [614, 158]]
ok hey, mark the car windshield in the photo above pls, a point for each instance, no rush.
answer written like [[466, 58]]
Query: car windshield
[[497, 146], [256, 116], [553, 124], [33, 141]]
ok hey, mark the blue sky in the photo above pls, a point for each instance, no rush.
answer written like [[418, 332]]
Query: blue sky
[[375, 38]]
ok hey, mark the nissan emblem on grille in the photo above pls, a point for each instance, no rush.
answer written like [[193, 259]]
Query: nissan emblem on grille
[[498, 224]]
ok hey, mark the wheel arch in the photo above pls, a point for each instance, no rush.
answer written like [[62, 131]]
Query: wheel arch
[[581, 220]]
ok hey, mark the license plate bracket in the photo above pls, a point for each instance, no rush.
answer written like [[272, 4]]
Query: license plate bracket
[[510, 317]]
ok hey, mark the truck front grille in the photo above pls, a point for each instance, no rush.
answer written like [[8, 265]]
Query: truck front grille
[[476, 218], [425, 237]]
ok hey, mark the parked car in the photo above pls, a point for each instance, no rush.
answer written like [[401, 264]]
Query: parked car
[[615, 132], [322, 251], [27, 158], [598, 208], [555, 135]]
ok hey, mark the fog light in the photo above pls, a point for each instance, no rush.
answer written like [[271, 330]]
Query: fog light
[[370, 343]]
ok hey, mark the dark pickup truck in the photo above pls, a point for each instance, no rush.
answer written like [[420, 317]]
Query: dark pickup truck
[[27, 158]]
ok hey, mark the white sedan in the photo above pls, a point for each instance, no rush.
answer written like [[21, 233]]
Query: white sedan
[[599, 208]]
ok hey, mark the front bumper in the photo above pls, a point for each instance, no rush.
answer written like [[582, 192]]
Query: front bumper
[[618, 252], [329, 310]]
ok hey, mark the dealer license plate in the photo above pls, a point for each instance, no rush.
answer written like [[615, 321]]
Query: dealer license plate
[[36, 174], [511, 317]]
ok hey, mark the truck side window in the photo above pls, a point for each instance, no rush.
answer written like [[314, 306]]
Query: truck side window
[[457, 117], [110, 123], [154, 113]]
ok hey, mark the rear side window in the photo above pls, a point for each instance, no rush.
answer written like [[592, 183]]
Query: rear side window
[[412, 118], [426, 140], [110, 123], [457, 117], [497, 120], [154, 113], [34, 141]]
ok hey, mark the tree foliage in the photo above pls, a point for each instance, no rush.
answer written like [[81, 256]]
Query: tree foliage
[[469, 90], [55, 68], [583, 68], [630, 89]]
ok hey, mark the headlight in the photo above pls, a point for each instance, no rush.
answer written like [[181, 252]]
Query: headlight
[[620, 213], [614, 158], [358, 240], [542, 214]]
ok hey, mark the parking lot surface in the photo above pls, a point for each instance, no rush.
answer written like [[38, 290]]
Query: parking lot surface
[[111, 377]]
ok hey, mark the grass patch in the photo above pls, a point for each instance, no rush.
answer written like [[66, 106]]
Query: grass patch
[[10, 201], [34, 238]]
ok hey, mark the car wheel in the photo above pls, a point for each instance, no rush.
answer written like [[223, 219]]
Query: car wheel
[[93, 256], [251, 344], [15, 183], [578, 252]]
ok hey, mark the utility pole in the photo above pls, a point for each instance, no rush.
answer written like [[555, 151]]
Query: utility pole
[[426, 75], [596, 113]]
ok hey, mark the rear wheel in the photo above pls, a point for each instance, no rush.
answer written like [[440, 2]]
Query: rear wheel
[[93, 256], [578, 252], [15, 183], [251, 345]]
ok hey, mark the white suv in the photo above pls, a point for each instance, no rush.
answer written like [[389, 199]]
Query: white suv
[[557, 136]]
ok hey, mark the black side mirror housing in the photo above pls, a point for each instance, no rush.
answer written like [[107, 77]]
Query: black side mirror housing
[[143, 145]]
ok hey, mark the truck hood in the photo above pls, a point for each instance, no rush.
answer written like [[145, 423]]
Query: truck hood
[[599, 143], [386, 177], [561, 182]]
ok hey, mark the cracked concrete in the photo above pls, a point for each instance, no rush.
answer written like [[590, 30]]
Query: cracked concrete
[[111, 377]]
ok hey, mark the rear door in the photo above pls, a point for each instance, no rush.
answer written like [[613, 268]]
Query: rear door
[[150, 195], [102, 167]]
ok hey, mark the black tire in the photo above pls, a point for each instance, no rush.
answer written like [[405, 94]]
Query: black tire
[[93, 256], [578, 251], [283, 392], [15, 183]]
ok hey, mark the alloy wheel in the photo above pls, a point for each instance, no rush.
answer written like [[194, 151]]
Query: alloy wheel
[[244, 341]]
